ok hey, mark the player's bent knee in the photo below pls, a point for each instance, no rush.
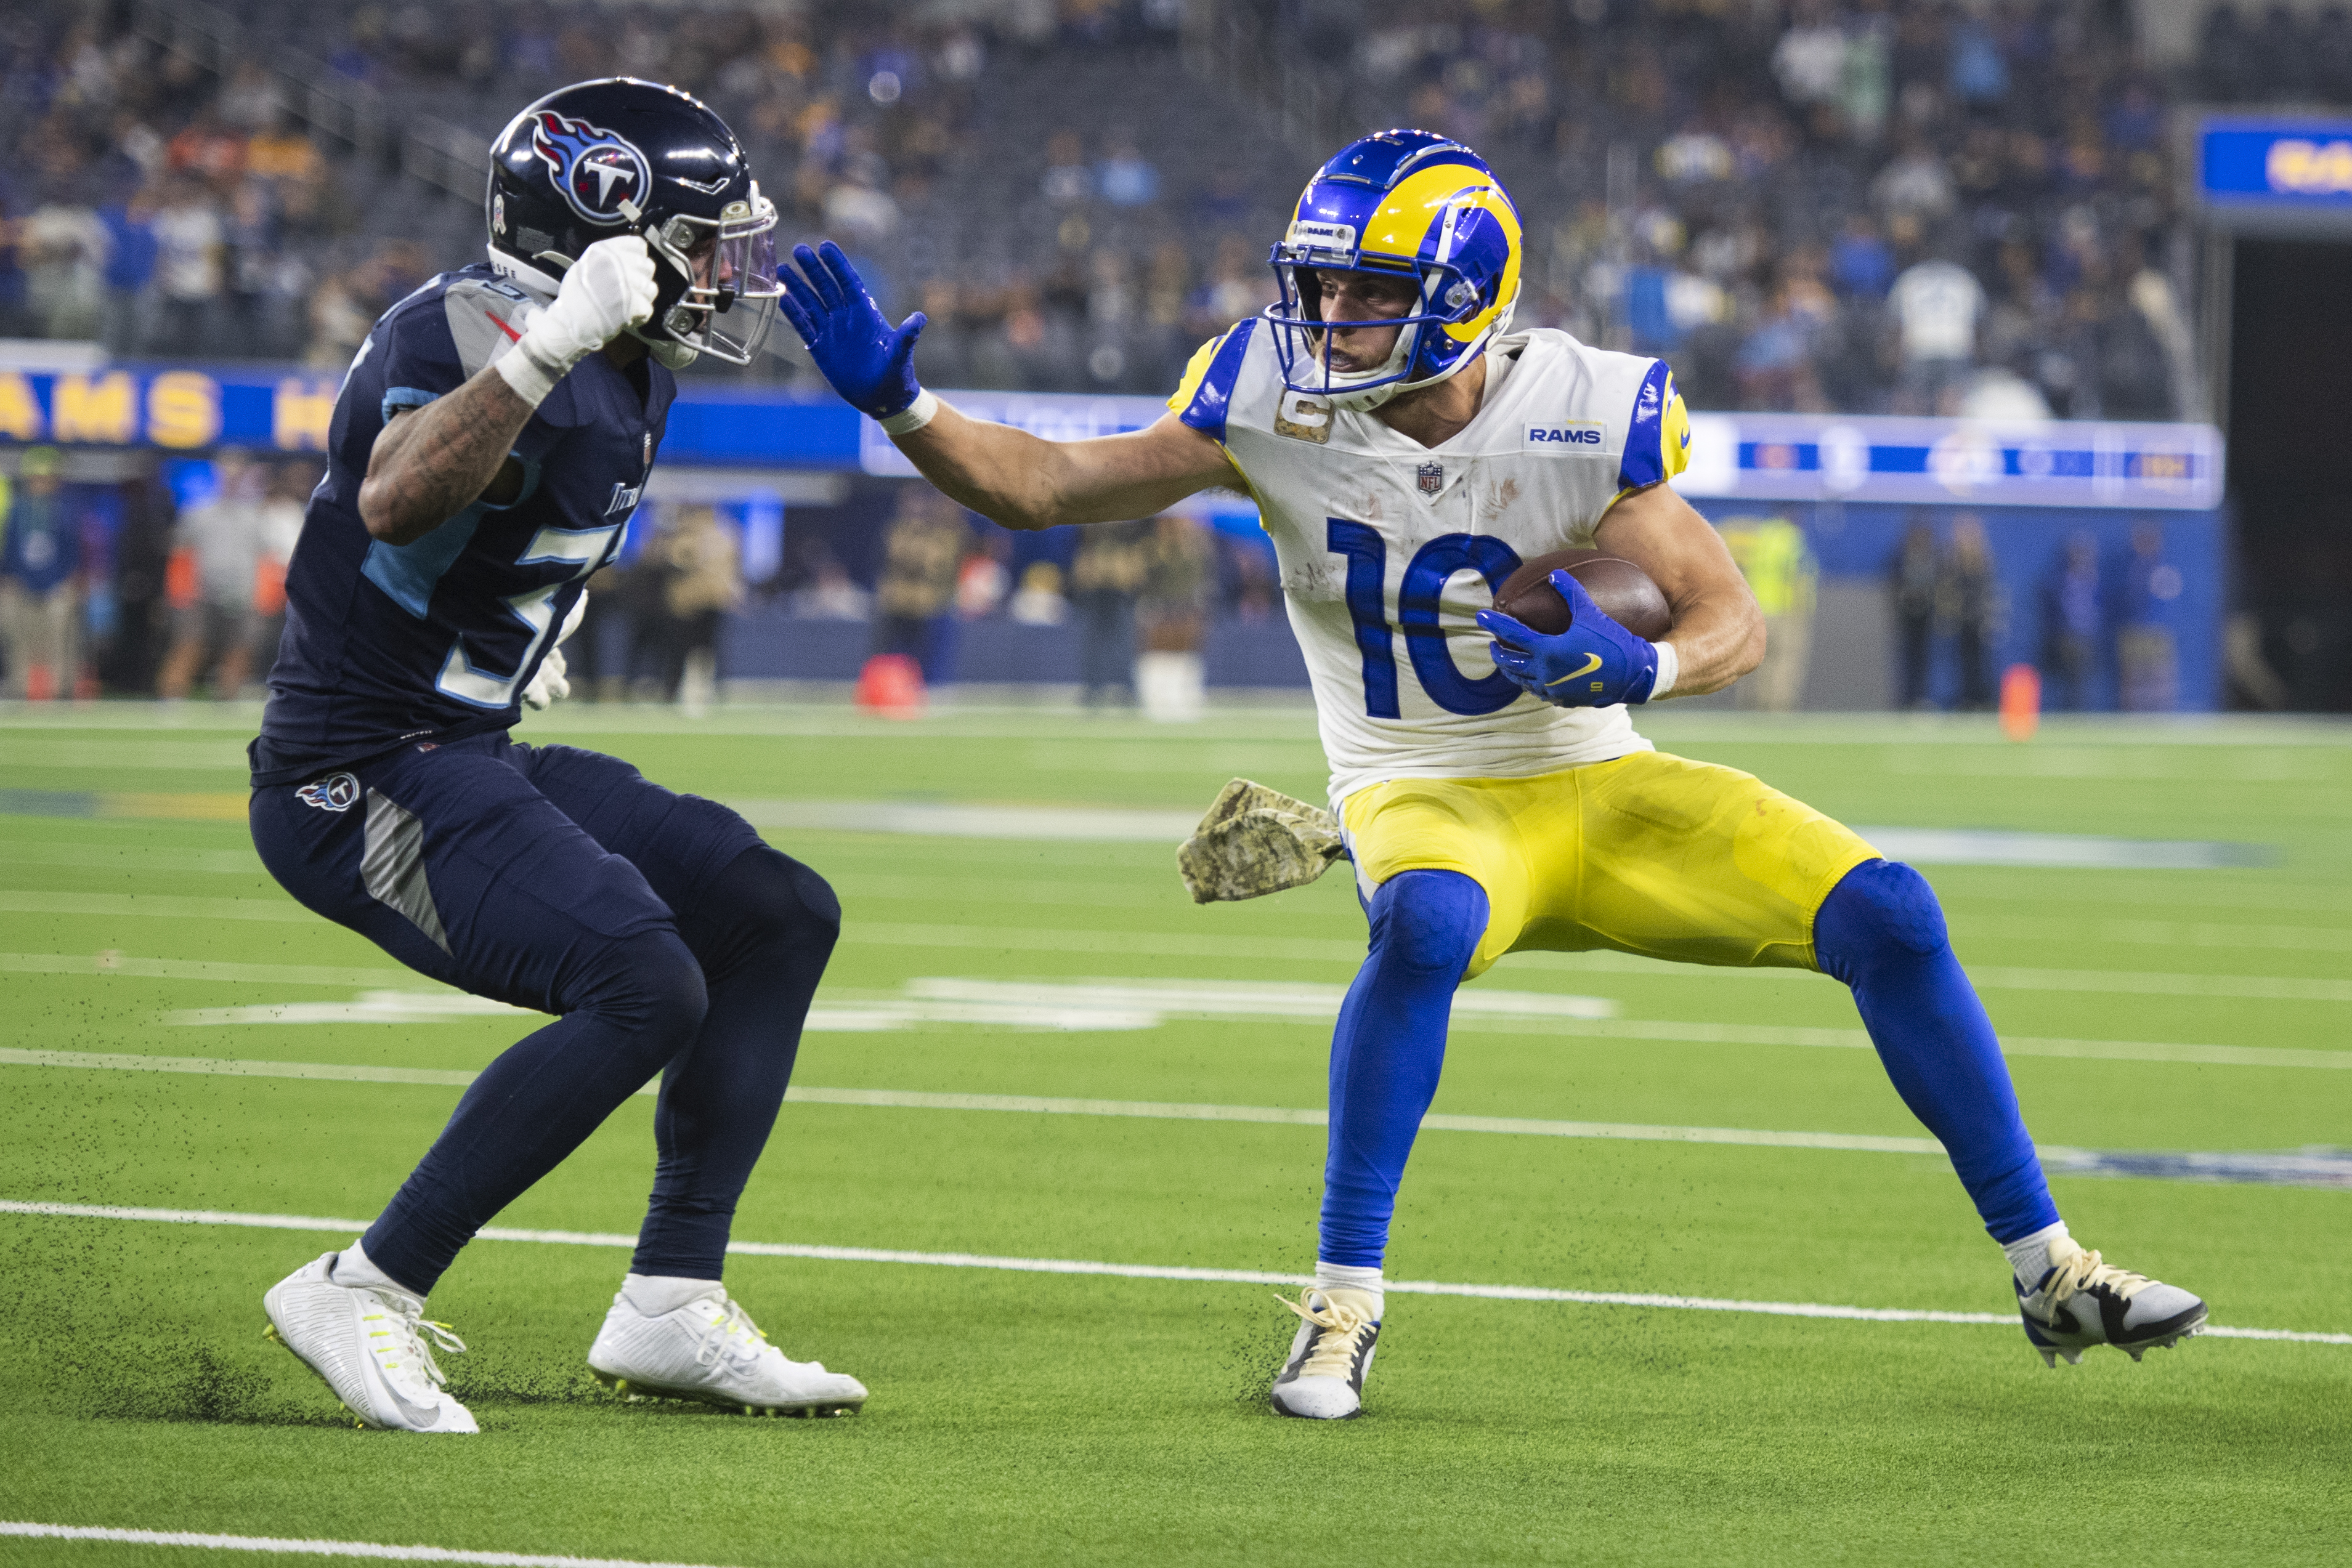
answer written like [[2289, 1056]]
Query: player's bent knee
[[1883, 909], [777, 899], [651, 984], [1429, 921]]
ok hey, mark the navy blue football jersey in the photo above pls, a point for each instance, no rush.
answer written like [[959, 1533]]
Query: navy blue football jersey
[[436, 639]]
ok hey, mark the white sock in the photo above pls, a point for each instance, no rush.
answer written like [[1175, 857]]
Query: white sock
[[1365, 1279], [2029, 1256], [355, 1270], [655, 1294]]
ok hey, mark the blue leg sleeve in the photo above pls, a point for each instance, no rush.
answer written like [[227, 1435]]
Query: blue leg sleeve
[[762, 930], [1882, 933], [1388, 1050]]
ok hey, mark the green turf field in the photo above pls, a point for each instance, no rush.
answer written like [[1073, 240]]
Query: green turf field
[[1025, 1416]]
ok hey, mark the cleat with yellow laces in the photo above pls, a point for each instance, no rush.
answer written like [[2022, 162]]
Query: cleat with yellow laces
[[709, 1349], [1324, 1378], [2082, 1300], [367, 1345]]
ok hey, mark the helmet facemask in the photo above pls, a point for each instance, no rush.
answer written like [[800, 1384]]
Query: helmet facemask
[[1304, 341], [718, 282]]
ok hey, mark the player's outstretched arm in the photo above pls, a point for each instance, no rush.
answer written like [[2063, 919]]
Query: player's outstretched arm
[[1718, 631], [1005, 475], [431, 464]]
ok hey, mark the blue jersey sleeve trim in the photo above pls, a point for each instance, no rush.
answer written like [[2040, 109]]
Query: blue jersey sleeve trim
[[408, 572], [400, 400], [1213, 399], [1644, 463]]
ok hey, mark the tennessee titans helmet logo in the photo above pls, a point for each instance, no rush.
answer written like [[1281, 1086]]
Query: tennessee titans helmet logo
[[595, 170], [335, 792]]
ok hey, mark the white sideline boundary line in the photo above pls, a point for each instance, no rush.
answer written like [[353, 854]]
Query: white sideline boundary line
[[25, 1529], [1114, 1271]]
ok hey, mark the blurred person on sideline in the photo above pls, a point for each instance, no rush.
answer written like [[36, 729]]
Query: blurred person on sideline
[[1038, 601], [223, 537], [1781, 570], [2148, 659], [1968, 599], [1169, 613], [281, 529], [914, 596], [704, 582], [1104, 580], [2073, 613], [40, 582], [1911, 596]]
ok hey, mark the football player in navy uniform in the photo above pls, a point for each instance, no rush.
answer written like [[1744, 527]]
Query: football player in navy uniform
[[491, 440]]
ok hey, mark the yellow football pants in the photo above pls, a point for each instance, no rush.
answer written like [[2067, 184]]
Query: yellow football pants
[[1647, 853]]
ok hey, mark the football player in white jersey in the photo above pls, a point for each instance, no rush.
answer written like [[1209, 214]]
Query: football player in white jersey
[[1408, 451]]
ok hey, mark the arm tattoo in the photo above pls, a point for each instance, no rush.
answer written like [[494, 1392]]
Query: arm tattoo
[[428, 466]]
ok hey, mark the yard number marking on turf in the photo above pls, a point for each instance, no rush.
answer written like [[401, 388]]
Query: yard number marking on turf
[[317, 1548], [1118, 1270]]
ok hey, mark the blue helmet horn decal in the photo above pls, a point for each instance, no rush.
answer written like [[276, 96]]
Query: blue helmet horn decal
[[601, 174]]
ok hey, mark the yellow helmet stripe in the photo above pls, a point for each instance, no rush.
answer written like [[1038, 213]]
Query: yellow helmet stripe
[[1418, 204]]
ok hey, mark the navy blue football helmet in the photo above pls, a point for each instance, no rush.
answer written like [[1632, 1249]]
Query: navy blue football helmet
[[622, 156]]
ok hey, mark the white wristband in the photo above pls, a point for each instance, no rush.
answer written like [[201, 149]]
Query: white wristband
[[913, 417], [521, 370], [1669, 666]]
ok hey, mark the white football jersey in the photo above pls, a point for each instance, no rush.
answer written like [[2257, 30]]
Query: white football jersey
[[1389, 549]]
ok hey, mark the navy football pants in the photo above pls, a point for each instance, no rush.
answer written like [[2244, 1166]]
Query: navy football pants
[[671, 940]]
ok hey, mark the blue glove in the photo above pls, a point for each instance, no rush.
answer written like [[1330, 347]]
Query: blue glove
[[870, 365], [1595, 663]]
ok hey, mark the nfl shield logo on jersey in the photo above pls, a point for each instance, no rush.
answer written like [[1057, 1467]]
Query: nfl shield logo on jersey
[[1431, 477], [335, 792]]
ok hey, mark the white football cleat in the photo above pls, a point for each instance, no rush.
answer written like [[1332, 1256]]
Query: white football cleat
[[709, 1349], [2082, 1300], [368, 1346], [1324, 1378]]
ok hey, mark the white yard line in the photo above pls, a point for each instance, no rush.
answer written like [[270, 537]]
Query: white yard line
[[1116, 1270], [297, 1548], [2320, 1168]]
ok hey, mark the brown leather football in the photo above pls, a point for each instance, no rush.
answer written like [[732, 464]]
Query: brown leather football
[[1623, 591]]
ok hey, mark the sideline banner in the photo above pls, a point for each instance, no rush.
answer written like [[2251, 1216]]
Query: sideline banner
[[714, 424]]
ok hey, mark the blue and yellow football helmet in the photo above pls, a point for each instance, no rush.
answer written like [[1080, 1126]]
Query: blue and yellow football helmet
[[1414, 203]]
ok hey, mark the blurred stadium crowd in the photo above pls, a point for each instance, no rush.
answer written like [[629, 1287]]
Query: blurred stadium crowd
[[1875, 206]]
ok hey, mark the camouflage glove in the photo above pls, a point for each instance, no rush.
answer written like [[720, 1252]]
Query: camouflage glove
[[1257, 841]]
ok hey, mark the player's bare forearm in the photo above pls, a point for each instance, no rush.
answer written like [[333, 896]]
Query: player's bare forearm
[[1022, 481], [1718, 631], [432, 463]]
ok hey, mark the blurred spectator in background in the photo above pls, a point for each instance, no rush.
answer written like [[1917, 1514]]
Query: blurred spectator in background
[[1935, 306], [2072, 617], [40, 567], [1968, 599], [702, 580], [921, 555], [1171, 614], [130, 255], [62, 247], [830, 593], [221, 541], [1104, 580], [281, 531], [1038, 601], [2147, 661], [1780, 571], [1911, 596], [189, 249]]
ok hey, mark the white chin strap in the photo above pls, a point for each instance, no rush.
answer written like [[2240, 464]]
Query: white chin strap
[[1370, 397]]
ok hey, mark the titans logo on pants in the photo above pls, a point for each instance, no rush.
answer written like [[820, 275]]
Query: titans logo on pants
[[335, 792], [595, 170]]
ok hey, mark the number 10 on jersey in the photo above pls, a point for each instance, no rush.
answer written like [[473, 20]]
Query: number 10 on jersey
[[1418, 597]]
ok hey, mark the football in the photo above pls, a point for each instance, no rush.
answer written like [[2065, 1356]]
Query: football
[[1623, 591]]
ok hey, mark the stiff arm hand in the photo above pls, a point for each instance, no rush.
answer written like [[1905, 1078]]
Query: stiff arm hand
[[1005, 475]]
